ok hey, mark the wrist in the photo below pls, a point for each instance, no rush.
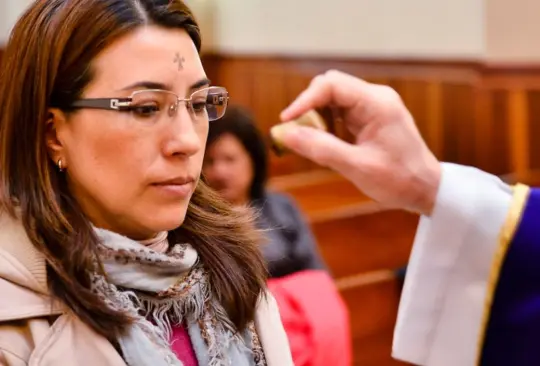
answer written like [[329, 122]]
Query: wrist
[[426, 185]]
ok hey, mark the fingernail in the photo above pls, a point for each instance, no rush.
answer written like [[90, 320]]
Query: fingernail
[[279, 131], [286, 116], [282, 133]]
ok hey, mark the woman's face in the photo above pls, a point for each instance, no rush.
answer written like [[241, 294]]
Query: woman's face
[[228, 169], [131, 175]]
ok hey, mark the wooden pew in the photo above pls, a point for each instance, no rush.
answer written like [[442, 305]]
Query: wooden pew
[[354, 234], [366, 241], [319, 192], [373, 300]]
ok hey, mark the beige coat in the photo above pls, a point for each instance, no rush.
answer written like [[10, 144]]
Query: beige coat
[[35, 332]]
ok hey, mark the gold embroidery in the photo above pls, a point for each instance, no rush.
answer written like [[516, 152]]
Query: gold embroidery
[[521, 194]]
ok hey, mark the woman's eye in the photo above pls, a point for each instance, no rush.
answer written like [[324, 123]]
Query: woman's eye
[[147, 110], [199, 107]]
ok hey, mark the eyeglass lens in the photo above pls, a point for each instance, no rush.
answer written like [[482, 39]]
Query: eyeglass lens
[[209, 103]]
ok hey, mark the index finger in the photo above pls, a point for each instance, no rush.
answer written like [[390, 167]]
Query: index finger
[[333, 88]]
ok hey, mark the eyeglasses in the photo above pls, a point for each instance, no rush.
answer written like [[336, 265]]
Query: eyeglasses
[[152, 105]]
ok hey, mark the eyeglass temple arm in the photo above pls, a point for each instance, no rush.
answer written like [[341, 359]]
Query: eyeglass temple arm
[[102, 103]]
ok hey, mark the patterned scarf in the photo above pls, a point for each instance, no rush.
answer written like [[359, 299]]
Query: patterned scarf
[[162, 290]]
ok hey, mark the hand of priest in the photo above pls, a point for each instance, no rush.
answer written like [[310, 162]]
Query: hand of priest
[[389, 160]]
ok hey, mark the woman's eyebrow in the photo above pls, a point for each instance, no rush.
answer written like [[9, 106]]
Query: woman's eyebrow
[[201, 83], [147, 85], [157, 85]]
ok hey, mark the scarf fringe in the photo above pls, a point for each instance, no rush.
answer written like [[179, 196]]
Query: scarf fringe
[[157, 310], [197, 308]]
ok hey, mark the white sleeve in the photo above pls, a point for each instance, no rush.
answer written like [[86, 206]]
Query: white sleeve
[[440, 314]]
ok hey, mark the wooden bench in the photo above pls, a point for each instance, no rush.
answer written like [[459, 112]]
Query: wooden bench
[[366, 242], [354, 234], [373, 300]]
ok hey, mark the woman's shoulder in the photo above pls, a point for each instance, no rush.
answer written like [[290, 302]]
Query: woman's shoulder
[[22, 312], [279, 196], [21, 298], [23, 279], [19, 254], [11, 230], [280, 199]]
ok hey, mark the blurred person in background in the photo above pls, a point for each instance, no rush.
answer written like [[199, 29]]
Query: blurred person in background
[[112, 250], [313, 313]]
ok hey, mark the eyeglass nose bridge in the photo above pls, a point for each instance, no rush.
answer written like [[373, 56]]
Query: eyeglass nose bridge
[[173, 109]]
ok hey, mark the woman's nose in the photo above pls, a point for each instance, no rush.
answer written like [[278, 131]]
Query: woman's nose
[[183, 138]]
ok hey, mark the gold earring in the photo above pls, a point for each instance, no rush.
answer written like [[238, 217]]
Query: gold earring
[[60, 167]]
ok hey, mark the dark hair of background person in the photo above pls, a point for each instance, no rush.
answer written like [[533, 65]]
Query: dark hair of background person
[[48, 63], [238, 122]]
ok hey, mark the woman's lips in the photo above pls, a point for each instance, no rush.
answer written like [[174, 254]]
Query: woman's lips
[[175, 190]]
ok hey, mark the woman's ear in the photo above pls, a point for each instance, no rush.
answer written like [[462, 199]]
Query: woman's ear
[[54, 125]]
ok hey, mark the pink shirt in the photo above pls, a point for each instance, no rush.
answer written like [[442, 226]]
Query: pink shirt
[[182, 347], [180, 342]]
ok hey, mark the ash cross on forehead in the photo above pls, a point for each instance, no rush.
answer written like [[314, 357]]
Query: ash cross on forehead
[[179, 60]]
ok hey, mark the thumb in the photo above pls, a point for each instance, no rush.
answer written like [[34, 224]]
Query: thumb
[[321, 147]]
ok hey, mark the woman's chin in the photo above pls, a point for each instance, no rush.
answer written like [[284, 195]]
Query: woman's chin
[[165, 220]]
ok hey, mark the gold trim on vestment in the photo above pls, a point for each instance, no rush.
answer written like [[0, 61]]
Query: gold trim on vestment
[[520, 196]]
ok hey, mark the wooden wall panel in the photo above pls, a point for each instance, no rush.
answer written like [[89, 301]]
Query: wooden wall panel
[[485, 129], [534, 129], [458, 106], [498, 146], [468, 112]]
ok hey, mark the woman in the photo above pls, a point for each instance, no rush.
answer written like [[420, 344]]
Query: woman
[[111, 248], [236, 165], [314, 315]]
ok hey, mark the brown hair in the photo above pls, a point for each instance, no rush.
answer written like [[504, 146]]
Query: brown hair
[[47, 63]]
